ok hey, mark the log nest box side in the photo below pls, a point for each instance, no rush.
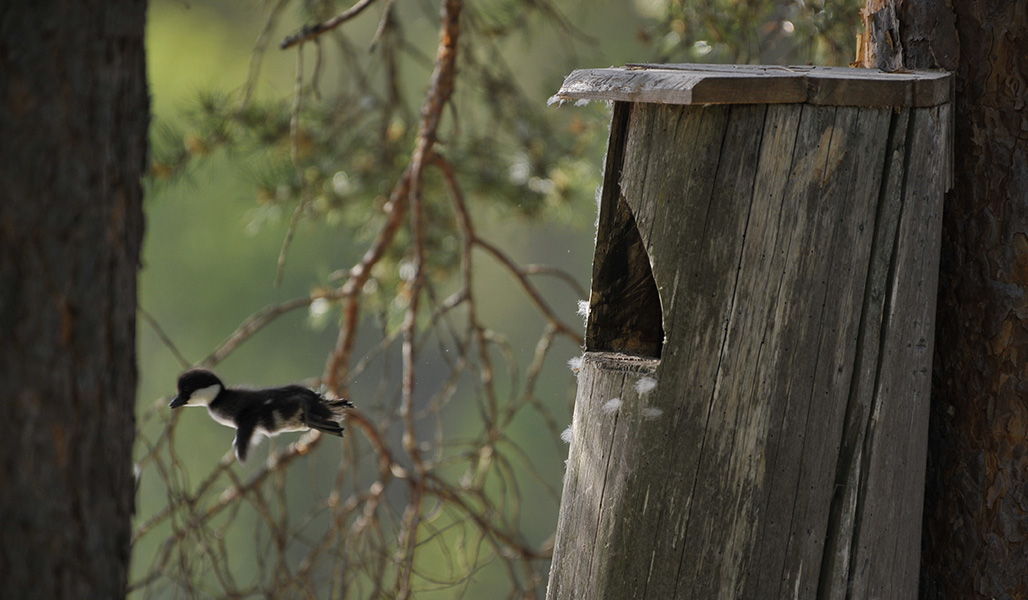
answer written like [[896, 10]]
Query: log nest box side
[[752, 409]]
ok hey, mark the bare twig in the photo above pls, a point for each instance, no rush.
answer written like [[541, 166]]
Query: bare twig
[[164, 338], [259, 47], [294, 154], [312, 31], [258, 321], [468, 232], [338, 362], [558, 273], [384, 24], [530, 289]]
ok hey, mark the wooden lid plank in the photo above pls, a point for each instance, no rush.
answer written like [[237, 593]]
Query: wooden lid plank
[[757, 84]]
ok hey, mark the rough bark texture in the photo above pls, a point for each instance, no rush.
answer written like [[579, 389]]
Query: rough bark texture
[[73, 121], [976, 512], [776, 448], [917, 34]]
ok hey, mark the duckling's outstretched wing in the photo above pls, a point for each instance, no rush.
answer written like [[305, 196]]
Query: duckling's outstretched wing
[[244, 435]]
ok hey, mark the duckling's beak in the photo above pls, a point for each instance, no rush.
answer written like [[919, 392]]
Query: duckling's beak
[[178, 401]]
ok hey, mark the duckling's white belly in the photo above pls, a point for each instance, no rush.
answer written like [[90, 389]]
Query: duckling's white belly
[[225, 420]]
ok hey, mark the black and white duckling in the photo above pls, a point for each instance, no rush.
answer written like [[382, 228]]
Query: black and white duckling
[[262, 411]]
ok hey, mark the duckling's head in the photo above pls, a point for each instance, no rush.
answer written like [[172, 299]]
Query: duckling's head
[[197, 387]]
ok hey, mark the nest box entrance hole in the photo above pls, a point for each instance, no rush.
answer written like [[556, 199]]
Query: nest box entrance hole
[[624, 304]]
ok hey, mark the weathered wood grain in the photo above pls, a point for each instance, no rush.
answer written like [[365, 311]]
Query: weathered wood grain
[[607, 423], [757, 84], [835, 567], [895, 446], [780, 453]]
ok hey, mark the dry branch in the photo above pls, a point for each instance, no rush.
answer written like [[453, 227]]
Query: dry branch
[[313, 31]]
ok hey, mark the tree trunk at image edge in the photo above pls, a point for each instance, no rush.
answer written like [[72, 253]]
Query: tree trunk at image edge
[[73, 120], [975, 535]]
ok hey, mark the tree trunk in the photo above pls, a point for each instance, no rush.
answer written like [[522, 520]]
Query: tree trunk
[[975, 530], [73, 120]]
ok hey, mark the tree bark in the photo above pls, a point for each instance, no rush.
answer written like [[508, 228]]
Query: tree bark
[[977, 499], [976, 505], [73, 121]]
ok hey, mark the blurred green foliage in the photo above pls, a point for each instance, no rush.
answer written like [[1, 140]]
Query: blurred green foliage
[[357, 110], [240, 161], [820, 32]]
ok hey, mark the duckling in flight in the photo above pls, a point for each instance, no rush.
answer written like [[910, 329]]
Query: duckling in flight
[[263, 411]]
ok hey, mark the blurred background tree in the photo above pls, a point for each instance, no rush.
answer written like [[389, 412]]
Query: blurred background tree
[[390, 210], [74, 110]]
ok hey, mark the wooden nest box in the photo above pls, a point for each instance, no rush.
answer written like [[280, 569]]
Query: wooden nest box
[[752, 409]]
